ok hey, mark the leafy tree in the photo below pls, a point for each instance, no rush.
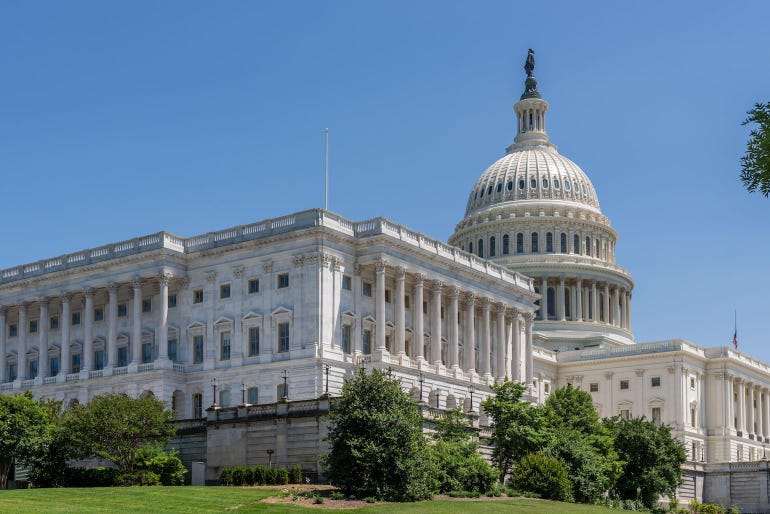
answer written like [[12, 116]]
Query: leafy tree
[[48, 466], [755, 164], [25, 431], [542, 474], [653, 459], [518, 429], [116, 426], [167, 466], [376, 444]]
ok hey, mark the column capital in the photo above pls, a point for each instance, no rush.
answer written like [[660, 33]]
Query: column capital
[[380, 265], [640, 372], [211, 276], [89, 291], [400, 272], [184, 282], [419, 279], [609, 375], [66, 297], [298, 260], [137, 283], [336, 263], [437, 286], [454, 292], [238, 271], [164, 277], [113, 287], [485, 303], [43, 300], [3, 309], [267, 267], [513, 312], [469, 298], [500, 309], [528, 316]]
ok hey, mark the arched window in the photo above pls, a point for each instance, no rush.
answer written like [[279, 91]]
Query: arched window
[[481, 248], [545, 183], [556, 183], [519, 243], [499, 187], [482, 192], [576, 244], [566, 185], [533, 184], [534, 243], [551, 303], [506, 244], [470, 247], [489, 191], [563, 248], [521, 184], [588, 246], [549, 242], [537, 303], [510, 185], [492, 246]]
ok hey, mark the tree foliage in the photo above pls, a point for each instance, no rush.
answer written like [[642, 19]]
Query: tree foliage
[[116, 426], [376, 444], [653, 459], [542, 474], [755, 164]]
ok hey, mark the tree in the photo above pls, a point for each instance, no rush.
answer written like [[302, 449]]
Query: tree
[[542, 474], [518, 429], [116, 426], [376, 445], [25, 431], [48, 466], [653, 459], [755, 164]]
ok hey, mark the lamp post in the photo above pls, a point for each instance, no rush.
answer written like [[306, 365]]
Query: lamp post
[[214, 384], [764, 451], [421, 380], [362, 367], [471, 389], [270, 458], [438, 397], [327, 367], [390, 372], [285, 377], [243, 393]]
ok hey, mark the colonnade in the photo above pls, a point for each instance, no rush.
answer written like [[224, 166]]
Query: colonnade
[[579, 300], [747, 409]]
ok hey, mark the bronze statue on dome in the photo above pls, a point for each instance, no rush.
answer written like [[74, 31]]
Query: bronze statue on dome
[[529, 66]]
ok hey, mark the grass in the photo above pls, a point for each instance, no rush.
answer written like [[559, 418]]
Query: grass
[[157, 500]]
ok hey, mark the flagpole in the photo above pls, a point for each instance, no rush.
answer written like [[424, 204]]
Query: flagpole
[[326, 169]]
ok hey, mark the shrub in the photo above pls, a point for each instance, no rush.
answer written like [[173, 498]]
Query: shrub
[[281, 476], [318, 499], [370, 499], [337, 495], [141, 477], [271, 476], [295, 475], [544, 475], [91, 477], [167, 466]]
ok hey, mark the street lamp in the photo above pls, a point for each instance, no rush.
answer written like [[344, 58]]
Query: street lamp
[[285, 377], [764, 451], [421, 380], [438, 397], [214, 384], [362, 366], [471, 389], [327, 367], [243, 393], [270, 458]]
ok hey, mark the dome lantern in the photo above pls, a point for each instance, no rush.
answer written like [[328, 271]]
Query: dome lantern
[[530, 111]]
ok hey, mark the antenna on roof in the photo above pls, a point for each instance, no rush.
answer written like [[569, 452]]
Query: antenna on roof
[[326, 169]]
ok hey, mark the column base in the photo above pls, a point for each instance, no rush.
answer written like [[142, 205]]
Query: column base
[[162, 363], [380, 355], [456, 372]]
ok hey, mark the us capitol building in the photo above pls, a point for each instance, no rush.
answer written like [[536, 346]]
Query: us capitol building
[[250, 322]]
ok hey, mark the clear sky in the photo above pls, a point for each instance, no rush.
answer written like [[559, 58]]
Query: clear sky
[[122, 119]]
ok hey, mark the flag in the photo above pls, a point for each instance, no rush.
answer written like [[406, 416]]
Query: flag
[[735, 339], [735, 330]]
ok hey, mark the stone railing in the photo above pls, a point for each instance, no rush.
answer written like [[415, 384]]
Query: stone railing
[[72, 377], [123, 370], [96, 373], [49, 380], [146, 367], [28, 383], [177, 367], [672, 345], [7, 386]]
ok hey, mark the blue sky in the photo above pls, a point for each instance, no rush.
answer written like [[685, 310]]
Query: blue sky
[[121, 119]]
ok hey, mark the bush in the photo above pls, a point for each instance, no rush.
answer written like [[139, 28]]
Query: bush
[[544, 475], [295, 475], [142, 477], [458, 467], [318, 499], [337, 495], [91, 477], [281, 476], [167, 466]]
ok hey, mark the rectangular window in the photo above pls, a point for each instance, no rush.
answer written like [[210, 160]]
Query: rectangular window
[[147, 305], [32, 368], [198, 296], [12, 372], [253, 285], [656, 415], [407, 301], [347, 282], [366, 288], [171, 301], [75, 318], [224, 399], [692, 416], [13, 330], [224, 291], [425, 307], [547, 388], [253, 395], [346, 338], [625, 414], [197, 349], [224, 346], [53, 323], [283, 337], [33, 326], [98, 359], [655, 382], [624, 384], [122, 310], [53, 366], [197, 405], [172, 350], [99, 314], [254, 341], [75, 364], [594, 387], [367, 341], [387, 296], [146, 353], [123, 356], [283, 280]]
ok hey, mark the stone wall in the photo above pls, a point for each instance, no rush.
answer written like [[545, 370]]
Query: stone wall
[[744, 484]]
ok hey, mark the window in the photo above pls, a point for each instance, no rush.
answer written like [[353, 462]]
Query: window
[[283, 280], [407, 301], [576, 244], [366, 288], [625, 414], [588, 246], [388, 297], [172, 350], [53, 323], [499, 187], [123, 356], [224, 291], [53, 366], [75, 363], [32, 369], [198, 296], [481, 248], [347, 283], [283, 337], [253, 395], [98, 359], [489, 191], [253, 285], [510, 185], [519, 243], [224, 346], [624, 384], [656, 415], [147, 305], [146, 353], [692, 416], [556, 183], [533, 184], [521, 184], [367, 341], [566, 185], [692, 383], [99, 314], [594, 388], [171, 301], [197, 405], [655, 382], [346, 338], [534, 243], [470, 247], [12, 372], [545, 183], [425, 307], [506, 244], [224, 398], [122, 310], [13, 330], [281, 391], [197, 349], [492, 245], [563, 246], [33, 326], [254, 341], [549, 242]]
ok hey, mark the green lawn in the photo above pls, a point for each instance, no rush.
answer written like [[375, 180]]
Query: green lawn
[[125, 500]]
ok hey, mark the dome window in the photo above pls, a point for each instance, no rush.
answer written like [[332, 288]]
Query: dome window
[[489, 191], [566, 185], [499, 187], [533, 184], [534, 248], [549, 243], [588, 246], [492, 246], [563, 246], [482, 193], [576, 244], [481, 248], [506, 244], [545, 183], [521, 184], [556, 183], [519, 243], [510, 185], [583, 187], [476, 195]]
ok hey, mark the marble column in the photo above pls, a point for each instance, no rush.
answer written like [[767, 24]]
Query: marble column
[[500, 343], [729, 407], [3, 348], [530, 362], [766, 414], [65, 367], [516, 346], [750, 411], [561, 307], [606, 304], [615, 307], [164, 279], [400, 313], [379, 305], [544, 299], [42, 329], [435, 324], [628, 310], [453, 327], [469, 342], [579, 300], [418, 334], [741, 407], [136, 323], [112, 329], [484, 361], [88, 332], [21, 339], [594, 303]]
